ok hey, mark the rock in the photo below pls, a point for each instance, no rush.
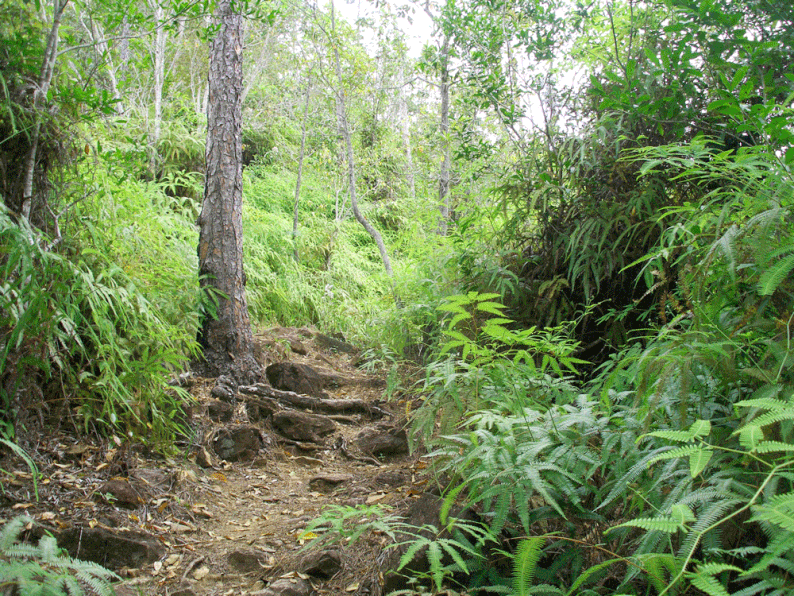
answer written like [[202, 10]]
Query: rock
[[111, 549], [225, 388], [291, 376], [383, 439], [155, 479], [246, 561], [323, 564], [204, 458], [220, 411], [237, 443], [337, 345], [260, 408], [185, 380], [325, 483], [304, 460], [122, 493], [392, 478], [287, 587], [301, 426], [298, 347]]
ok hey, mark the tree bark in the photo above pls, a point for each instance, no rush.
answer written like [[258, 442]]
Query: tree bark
[[158, 58], [444, 174], [300, 169], [226, 337], [39, 95], [344, 129]]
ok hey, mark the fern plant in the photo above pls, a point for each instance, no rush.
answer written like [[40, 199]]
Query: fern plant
[[45, 569]]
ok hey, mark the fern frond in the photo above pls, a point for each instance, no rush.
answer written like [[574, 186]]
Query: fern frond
[[772, 278], [773, 447], [525, 562], [778, 510], [708, 584], [668, 525]]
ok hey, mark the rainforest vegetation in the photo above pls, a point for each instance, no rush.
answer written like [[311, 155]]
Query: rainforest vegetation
[[585, 216]]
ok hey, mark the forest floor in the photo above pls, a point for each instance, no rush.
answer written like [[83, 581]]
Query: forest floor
[[229, 515]]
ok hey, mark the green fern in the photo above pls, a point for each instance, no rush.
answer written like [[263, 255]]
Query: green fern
[[525, 561], [45, 569]]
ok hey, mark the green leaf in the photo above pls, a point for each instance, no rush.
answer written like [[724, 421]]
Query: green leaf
[[751, 436], [773, 447], [684, 451], [654, 524], [700, 428], [682, 513], [699, 460], [525, 562]]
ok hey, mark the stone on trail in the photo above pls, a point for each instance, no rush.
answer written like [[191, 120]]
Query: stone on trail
[[298, 347], [300, 426], [237, 443], [111, 549], [325, 483], [220, 411], [260, 408], [383, 439], [246, 561], [287, 587], [292, 376], [122, 493], [323, 564], [225, 388]]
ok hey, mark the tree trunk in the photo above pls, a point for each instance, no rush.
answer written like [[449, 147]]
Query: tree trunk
[[159, 79], [344, 129], [300, 170], [406, 134], [39, 95], [444, 175], [226, 337]]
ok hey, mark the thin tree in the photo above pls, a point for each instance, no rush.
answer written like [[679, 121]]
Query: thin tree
[[39, 96], [344, 130], [225, 335], [300, 167]]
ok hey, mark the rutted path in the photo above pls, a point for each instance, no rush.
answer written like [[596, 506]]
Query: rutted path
[[265, 460]]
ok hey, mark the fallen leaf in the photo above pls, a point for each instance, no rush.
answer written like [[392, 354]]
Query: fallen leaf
[[352, 587], [48, 515], [22, 506], [201, 573]]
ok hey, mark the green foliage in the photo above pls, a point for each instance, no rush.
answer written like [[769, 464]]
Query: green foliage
[[79, 316], [45, 569]]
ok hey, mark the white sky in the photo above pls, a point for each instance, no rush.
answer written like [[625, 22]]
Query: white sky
[[417, 32]]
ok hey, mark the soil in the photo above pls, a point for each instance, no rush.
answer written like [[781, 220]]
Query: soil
[[199, 524]]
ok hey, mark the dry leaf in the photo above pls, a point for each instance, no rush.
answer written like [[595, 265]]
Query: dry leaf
[[47, 515], [201, 573], [352, 587]]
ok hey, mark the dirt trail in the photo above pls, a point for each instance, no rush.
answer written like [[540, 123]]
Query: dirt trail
[[205, 525]]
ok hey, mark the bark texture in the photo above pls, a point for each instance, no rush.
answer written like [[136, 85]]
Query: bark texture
[[226, 339]]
